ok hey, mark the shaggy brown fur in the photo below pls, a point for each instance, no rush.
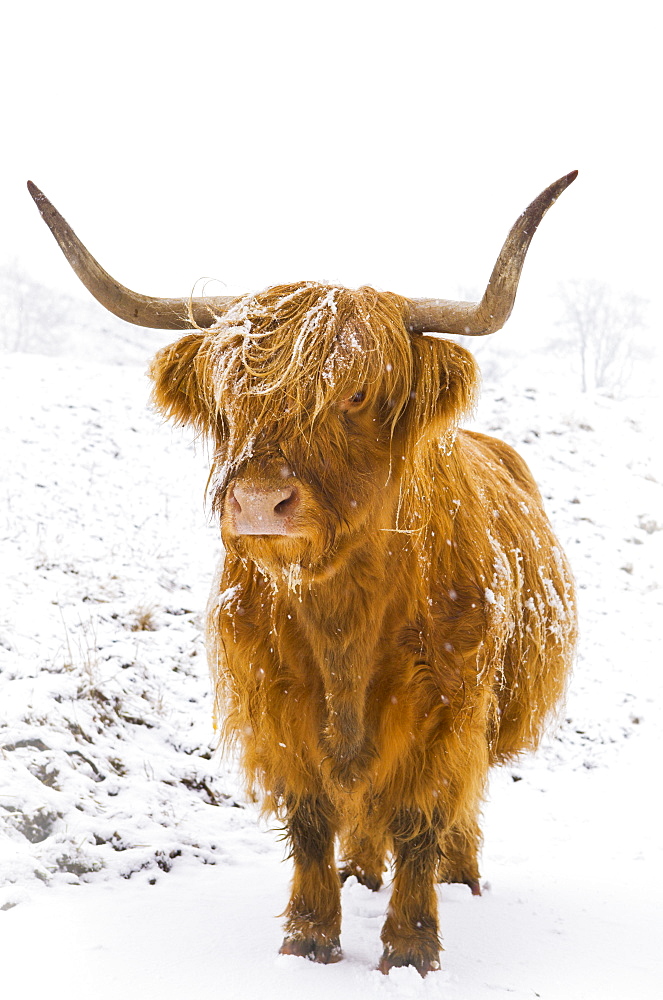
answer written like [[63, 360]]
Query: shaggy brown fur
[[415, 629]]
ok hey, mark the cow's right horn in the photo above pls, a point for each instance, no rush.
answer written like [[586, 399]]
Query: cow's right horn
[[143, 310]]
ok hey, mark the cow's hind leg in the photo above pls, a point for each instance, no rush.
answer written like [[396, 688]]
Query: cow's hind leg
[[363, 856], [410, 934], [458, 860], [313, 915]]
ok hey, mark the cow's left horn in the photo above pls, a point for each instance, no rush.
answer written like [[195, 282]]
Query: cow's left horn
[[476, 319], [143, 310]]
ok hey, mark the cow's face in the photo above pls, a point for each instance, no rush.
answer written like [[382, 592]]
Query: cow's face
[[316, 398], [297, 490]]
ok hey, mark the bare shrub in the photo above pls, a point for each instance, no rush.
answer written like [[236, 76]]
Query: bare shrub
[[600, 326], [32, 315]]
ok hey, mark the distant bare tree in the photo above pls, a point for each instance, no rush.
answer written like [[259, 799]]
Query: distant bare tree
[[600, 325], [30, 313], [35, 319]]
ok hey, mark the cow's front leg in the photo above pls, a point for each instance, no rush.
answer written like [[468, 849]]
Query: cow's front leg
[[313, 916], [410, 934]]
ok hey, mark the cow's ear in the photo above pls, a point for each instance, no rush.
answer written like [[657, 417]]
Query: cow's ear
[[180, 390], [445, 385]]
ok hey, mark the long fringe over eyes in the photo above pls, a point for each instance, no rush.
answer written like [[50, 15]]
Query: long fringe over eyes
[[295, 349]]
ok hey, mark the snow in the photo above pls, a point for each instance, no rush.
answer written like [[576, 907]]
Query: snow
[[130, 861]]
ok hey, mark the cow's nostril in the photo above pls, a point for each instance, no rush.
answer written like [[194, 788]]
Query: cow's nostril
[[285, 506]]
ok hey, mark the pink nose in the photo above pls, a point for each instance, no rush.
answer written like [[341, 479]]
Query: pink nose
[[262, 512]]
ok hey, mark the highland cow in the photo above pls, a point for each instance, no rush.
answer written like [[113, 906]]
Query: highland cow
[[393, 615]]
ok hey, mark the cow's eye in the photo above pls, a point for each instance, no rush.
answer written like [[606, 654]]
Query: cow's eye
[[352, 402]]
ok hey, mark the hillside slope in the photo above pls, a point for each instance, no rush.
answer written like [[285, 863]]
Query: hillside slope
[[111, 801]]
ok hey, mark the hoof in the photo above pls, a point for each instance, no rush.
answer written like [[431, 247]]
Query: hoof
[[372, 882], [326, 952], [459, 878], [392, 960]]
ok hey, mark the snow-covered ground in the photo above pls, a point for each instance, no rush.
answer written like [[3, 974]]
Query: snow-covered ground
[[131, 864]]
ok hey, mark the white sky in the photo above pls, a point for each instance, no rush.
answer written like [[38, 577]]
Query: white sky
[[361, 142]]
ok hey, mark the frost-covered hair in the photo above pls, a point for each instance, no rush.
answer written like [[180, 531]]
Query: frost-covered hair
[[490, 578], [277, 361]]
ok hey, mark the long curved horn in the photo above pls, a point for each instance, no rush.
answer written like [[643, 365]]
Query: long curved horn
[[143, 310], [476, 319]]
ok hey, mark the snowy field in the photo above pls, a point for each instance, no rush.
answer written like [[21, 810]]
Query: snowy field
[[131, 864]]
